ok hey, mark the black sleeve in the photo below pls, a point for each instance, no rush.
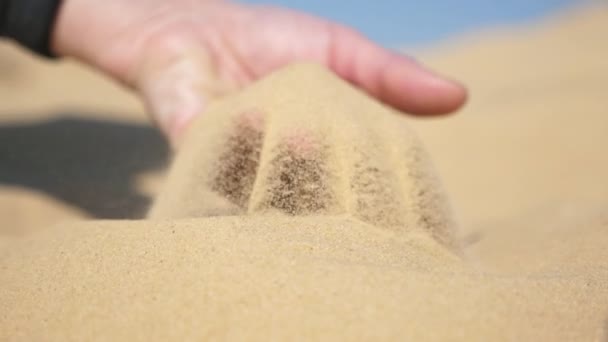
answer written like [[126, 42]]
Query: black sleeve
[[29, 22]]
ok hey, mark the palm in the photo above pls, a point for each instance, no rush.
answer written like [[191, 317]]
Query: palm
[[271, 38]]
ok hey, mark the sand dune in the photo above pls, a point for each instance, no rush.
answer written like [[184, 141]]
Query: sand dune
[[302, 209]]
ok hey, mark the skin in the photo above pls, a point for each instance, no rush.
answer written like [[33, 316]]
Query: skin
[[179, 54]]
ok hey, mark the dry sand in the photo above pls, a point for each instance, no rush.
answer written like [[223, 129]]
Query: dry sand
[[291, 213]]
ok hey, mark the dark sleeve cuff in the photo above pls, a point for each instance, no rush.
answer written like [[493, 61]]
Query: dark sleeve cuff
[[30, 23]]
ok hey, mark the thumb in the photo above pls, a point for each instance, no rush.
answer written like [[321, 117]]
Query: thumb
[[176, 83]]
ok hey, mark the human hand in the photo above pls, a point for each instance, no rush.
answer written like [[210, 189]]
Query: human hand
[[179, 54]]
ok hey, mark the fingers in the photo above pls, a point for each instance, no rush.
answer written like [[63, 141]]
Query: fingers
[[391, 77], [172, 92], [176, 80]]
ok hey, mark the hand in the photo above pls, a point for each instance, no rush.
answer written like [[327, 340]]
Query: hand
[[178, 54]]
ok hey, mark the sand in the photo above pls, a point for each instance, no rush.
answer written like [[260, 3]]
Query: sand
[[291, 213]]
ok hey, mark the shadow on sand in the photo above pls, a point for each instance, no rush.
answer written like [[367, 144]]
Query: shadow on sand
[[87, 163]]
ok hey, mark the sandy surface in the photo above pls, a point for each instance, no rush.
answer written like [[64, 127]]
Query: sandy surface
[[292, 213]]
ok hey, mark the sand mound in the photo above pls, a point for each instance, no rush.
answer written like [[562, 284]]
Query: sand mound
[[304, 142]]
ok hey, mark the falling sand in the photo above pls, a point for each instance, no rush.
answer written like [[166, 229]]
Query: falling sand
[[302, 142], [302, 209]]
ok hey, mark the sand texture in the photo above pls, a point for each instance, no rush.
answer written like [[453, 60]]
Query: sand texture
[[293, 278], [302, 209]]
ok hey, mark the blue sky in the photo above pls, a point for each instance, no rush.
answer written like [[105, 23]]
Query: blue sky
[[410, 23]]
